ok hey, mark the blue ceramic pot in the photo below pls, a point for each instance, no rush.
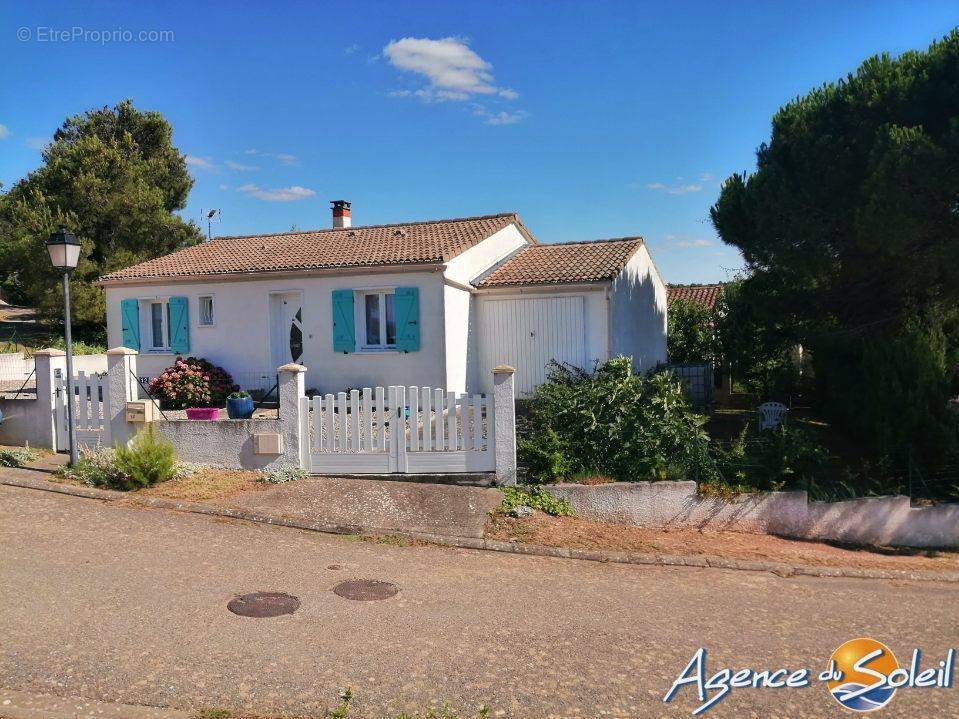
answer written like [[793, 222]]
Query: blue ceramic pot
[[239, 407]]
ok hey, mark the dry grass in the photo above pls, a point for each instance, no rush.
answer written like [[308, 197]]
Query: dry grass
[[578, 533], [207, 484]]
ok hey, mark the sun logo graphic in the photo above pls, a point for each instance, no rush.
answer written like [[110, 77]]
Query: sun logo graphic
[[861, 670]]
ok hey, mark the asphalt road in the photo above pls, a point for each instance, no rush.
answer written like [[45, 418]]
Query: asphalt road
[[129, 605]]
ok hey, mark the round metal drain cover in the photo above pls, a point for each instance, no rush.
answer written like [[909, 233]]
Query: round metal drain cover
[[365, 590], [264, 604]]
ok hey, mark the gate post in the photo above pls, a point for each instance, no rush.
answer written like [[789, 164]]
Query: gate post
[[504, 424], [48, 365], [121, 369], [292, 380]]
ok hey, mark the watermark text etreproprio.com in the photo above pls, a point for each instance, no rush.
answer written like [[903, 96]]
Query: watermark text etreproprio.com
[[100, 36]]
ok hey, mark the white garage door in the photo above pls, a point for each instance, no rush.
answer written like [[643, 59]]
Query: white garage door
[[527, 333]]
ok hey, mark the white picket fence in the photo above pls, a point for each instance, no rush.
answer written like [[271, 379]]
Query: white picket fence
[[89, 409], [398, 429]]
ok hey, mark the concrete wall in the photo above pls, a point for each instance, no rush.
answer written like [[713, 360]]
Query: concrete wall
[[23, 421], [228, 443], [240, 339], [637, 313], [888, 521], [14, 366]]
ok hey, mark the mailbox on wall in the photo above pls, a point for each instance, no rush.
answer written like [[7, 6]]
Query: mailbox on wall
[[268, 443], [140, 411]]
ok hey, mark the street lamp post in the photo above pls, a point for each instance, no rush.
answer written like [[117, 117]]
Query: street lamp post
[[64, 249]]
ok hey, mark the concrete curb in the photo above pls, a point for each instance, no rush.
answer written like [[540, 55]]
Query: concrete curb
[[492, 545], [27, 705]]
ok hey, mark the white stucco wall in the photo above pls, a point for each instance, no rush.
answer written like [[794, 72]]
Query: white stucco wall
[[240, 340], [478, 259], [457, 328], [637, 313]]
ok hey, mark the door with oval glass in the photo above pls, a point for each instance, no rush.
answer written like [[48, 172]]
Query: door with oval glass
[[286, 327]]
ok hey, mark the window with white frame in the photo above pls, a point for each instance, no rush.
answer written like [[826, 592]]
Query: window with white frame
[[207, 311], [377, 319], [157, 322]]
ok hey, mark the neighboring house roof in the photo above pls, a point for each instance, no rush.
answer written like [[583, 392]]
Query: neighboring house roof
[[705, 295], [435, 241], [567, 262]]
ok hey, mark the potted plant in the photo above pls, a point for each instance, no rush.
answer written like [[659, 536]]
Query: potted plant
[[239, 405]]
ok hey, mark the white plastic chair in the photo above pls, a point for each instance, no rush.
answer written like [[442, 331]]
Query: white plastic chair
[[771, 415]]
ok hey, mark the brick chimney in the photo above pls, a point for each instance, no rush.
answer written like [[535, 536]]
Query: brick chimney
[[341, 213]]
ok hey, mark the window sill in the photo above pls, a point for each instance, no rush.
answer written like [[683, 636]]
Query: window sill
[[376, 350], [159, 352]]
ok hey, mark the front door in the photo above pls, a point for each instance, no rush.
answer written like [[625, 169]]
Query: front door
[[286, 327]]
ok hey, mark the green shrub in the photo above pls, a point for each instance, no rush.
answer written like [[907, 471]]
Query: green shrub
[[537, 498], [612, 422], [775, 459], [17, 457], [96, 468], [146, 460]]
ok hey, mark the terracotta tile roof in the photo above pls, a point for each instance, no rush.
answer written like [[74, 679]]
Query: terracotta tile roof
[[566, 262], [703, 294], [434, 241]]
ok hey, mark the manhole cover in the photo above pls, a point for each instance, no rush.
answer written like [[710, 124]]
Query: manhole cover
[[264, 604], [365, 590]]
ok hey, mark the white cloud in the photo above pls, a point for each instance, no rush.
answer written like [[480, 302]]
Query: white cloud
[[448, 64], [453, 73], [350, 49], [505, 118], [36, 143], [4, 132], [279, 194], [226, 187], [201, 163], [453, 70], [685, 241], [283, 157], [679, 188], [240, 167]]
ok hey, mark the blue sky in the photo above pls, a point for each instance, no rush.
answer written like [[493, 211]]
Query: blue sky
[[592, 120]]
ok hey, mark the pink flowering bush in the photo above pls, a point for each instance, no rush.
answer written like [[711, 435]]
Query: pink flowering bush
[[192, 382]]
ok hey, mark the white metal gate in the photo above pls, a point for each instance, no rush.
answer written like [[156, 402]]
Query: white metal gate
[[89, 409], [398, 430]]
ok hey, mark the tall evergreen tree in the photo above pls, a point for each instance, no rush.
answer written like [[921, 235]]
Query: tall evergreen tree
[[114, 177]]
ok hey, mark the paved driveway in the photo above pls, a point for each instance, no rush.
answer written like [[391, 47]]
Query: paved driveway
[[129, 605]]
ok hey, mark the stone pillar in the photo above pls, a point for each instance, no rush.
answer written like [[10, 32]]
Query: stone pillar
[[49, 365], [121, 370], [292, 390], [504, 424]]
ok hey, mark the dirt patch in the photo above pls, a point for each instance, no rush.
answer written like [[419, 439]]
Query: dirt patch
[[207, 484], [577, 533]]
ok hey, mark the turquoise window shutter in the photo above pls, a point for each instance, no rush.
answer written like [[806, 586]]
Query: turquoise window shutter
[[344, 321], [407, 305], [130, 321], [179, 325]]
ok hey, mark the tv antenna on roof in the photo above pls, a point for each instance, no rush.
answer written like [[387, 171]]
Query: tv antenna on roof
[[211, 217]]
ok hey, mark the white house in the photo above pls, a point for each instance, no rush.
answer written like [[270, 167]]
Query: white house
[[437, 303]]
